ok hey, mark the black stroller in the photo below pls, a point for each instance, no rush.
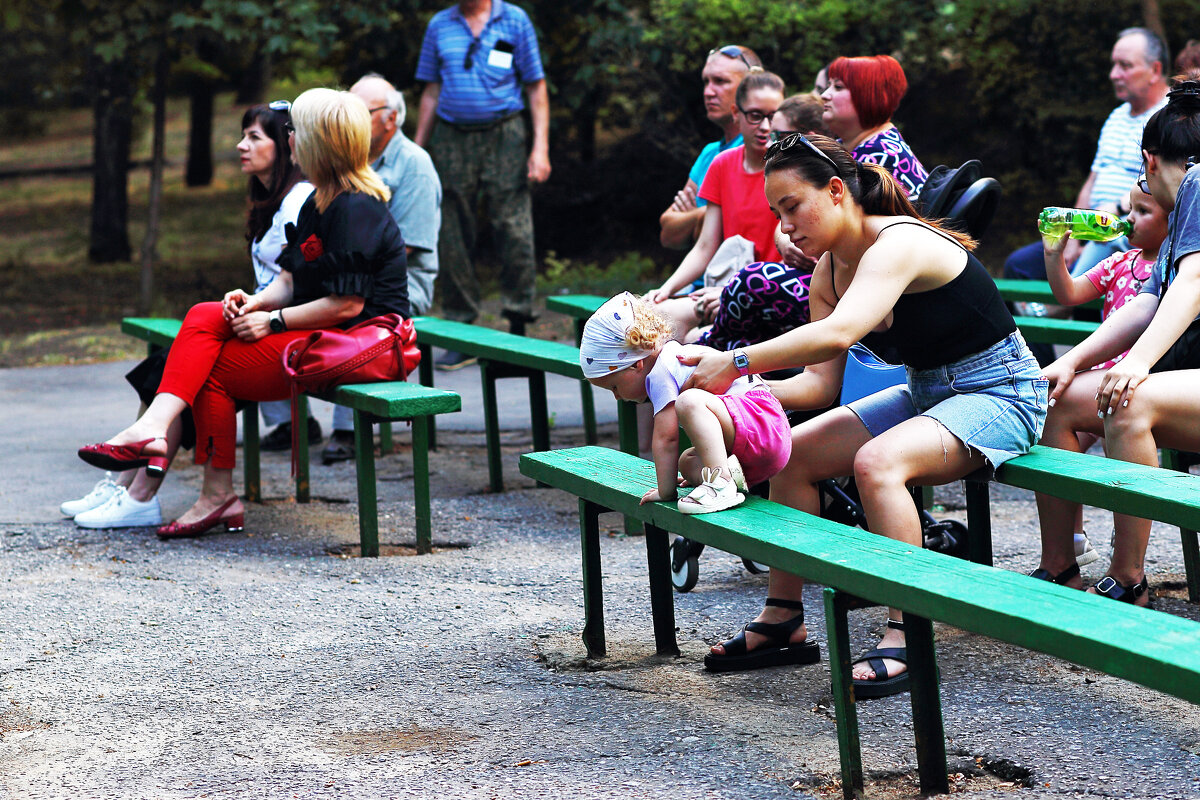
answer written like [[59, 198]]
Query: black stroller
[[865, 374]]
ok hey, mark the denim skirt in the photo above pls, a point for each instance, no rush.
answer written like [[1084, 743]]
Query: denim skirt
[[994, 401]]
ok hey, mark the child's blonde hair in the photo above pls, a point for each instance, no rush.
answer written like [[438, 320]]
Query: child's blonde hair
[[650, 329]]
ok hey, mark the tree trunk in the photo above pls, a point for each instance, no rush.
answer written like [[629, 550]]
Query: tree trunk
[[255, 80], [1152, 19], [199, 170], [112, 110], [162, 65]]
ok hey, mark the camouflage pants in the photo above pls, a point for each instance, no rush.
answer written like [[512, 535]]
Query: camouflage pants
[[486, 170]]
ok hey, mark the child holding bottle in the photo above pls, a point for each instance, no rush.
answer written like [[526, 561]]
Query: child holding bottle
[[1118, 278], [740, 438]]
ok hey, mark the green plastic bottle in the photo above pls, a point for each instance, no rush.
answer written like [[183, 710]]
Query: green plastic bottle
[[1083, 224]]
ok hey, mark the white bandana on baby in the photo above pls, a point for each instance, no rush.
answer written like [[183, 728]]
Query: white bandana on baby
[[604, 348]]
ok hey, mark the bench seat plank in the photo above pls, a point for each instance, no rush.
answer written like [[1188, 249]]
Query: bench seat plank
[[1154, 649], [395, 400], [557, 358], [1035, 291], [1135, 489]]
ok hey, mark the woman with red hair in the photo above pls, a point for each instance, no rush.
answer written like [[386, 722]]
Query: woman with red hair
[[862, 95]]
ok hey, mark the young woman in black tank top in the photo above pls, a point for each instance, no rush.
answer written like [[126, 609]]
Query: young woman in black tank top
[[882, 268]]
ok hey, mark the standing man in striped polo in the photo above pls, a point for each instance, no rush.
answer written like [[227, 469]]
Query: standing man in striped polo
[[477, 60]]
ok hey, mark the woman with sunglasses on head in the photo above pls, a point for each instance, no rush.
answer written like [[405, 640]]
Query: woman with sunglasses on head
[[862, 95], [733, 190], [974, 396], [275, 191], [344, 264], [1148, 399]]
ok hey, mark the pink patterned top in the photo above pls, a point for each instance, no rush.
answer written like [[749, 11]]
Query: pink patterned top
[[1119, 278]]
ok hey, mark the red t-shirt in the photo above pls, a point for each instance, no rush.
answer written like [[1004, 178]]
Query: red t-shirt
[[744, 209]]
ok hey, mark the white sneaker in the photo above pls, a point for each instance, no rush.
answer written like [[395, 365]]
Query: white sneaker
[[735, 469], [122, 511], [98, 496], [715, 494], [1084, 552]]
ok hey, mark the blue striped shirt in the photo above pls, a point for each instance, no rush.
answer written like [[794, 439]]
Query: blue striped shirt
[[491, 88]]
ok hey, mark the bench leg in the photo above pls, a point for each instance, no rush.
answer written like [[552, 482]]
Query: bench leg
[[590, 435], [837, 604], [979, 521], [491, 427], [420, 451], [425, 377], [926, 705], [662, 600], [368, 505], [593, 581], [303, 494], [386, 445], [539, 412], [251, 465], [1173, 459]]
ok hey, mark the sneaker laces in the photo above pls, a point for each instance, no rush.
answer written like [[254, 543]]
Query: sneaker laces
[[103, 486]]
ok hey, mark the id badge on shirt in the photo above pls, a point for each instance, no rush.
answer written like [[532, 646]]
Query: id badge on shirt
[[501, 56]]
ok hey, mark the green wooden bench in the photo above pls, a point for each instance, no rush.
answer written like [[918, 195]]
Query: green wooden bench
[[381, 403], [506, 355], [1148, 647], [1031, 291], [1164, 495]]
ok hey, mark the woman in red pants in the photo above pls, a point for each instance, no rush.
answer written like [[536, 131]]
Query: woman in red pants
[[344, 263]]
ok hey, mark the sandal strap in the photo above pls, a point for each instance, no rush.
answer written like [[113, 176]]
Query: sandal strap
[[895, 624], [780, 602], [874, 659], [777, 633], [1125, 593], [1061, 578]]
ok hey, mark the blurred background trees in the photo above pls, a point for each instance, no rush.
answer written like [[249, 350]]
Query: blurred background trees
[[1020, 84]]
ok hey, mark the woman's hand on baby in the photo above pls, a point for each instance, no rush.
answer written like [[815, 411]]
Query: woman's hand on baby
[[714, 373], [656, 296]]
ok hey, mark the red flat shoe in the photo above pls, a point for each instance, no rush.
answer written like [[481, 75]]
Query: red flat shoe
[[233, 524], [120, 457]]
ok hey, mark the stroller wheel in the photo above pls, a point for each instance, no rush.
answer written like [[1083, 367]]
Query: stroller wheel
[[685, 565], [753, 567], [948, 536]]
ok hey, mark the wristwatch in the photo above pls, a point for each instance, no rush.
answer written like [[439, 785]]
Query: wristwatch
[[741, 362], [276, 321]]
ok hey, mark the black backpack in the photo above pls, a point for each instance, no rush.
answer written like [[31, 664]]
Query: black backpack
[[961, 197]]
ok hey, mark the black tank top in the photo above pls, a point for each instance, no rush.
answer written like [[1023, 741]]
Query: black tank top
[[943, 325]]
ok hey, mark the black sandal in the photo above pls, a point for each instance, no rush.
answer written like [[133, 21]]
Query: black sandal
[[1124, 593], [777, 651], [1061, 578], [883, 685]]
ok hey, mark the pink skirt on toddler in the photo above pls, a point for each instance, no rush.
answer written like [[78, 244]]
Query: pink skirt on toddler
[[762, 436]]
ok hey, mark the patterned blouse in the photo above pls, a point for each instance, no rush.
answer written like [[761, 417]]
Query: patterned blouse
[[889, 150]]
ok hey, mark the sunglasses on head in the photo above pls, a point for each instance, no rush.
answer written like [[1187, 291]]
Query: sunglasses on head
[[787, 143], [731, 51]]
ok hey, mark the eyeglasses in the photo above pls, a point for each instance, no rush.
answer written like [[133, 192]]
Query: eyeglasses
[[280, 105], [469, 61], [776, 136], [1142, 184], [377, 108], [729, 51], [799, 138], [754, 116], [288, 127]]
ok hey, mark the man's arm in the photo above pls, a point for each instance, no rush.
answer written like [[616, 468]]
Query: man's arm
[[681, 222], [426, 117], [539, 110]]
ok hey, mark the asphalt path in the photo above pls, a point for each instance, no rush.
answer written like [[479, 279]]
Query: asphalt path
[[272, 663]]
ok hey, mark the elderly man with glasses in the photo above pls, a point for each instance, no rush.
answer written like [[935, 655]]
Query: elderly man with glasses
[[477, 59], [723, 71]]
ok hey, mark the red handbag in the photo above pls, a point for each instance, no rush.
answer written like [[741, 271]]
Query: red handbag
[[380, 349]]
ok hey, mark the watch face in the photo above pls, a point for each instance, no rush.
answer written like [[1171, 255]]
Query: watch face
[[740, 360], [276, 324]]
